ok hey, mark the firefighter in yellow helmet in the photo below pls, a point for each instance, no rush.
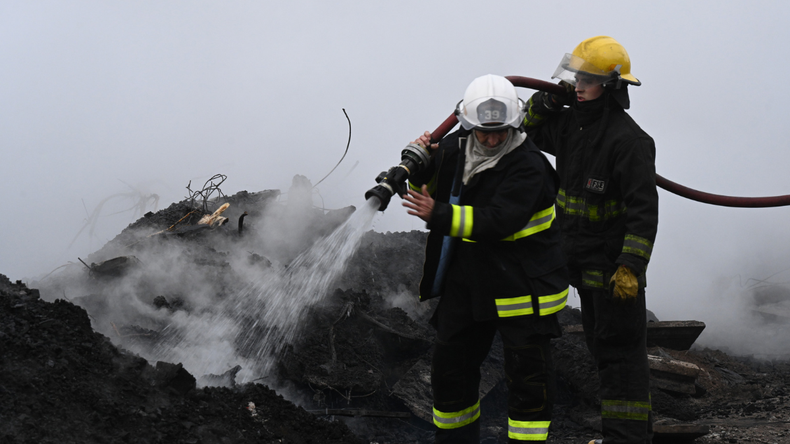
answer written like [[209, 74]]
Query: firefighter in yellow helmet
[[607, 207]]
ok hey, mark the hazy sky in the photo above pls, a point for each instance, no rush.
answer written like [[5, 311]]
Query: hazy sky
[[122, 100]]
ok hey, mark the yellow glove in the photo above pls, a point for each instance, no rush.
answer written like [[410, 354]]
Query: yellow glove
[[625, 285]]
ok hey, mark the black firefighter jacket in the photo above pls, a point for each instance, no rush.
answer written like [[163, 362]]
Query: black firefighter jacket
[[502, 229], [607, 203]]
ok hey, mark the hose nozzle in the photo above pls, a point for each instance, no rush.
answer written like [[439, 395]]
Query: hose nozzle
[[414, 159]]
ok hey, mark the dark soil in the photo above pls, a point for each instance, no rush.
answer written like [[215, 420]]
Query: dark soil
[[64, 383], [66, 374]]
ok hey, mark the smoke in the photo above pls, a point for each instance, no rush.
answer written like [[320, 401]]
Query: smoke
[[228, 300], [406, 301], [741, 293], [222, 299], [749, 318]]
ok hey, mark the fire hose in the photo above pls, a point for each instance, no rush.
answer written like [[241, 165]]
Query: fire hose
[[413, 159]]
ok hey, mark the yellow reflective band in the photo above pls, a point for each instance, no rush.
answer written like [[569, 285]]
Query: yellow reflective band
[[637, 245], [570, 205], [592, 278], [462, 221], [540, 221], [528, 430], [610, 209], [553, 302], [616, 409], [561, 198], [577, 206], [518, 306], [455, 420], [596, 279], [431, 186], [522, 305]]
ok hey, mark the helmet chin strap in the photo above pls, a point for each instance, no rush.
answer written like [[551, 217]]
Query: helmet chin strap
[[617, 80], [618, 88]]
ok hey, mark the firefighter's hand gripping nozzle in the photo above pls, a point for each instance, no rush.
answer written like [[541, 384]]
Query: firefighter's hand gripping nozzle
[[414, 159]]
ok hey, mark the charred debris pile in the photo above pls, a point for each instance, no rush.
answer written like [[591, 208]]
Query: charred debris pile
[[82, 348]]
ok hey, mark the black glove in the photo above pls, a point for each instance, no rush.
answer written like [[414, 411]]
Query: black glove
[[560, 100], [539, 106]]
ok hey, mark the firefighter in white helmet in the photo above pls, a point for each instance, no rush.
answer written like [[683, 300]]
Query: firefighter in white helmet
[[607, 207], [493, 255]]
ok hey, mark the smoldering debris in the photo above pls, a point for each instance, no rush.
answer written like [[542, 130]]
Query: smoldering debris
[[198, 299], [115, 267], [62, 382]]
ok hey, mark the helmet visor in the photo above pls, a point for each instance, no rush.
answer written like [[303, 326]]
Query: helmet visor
[[578, 72]]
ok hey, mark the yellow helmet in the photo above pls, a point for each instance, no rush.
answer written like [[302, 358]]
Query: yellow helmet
[[601, 58]]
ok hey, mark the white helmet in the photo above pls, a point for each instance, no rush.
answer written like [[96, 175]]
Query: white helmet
[[490, 104]]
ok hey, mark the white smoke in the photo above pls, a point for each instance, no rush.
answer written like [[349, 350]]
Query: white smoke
[[232, 300]]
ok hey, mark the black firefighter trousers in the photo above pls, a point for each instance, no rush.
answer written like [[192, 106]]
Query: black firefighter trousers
[[461, 346], [616, 335]]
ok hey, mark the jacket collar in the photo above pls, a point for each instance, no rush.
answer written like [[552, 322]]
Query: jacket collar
[[588, 112]]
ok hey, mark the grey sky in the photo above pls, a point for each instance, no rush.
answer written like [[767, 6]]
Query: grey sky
[[101, 98]]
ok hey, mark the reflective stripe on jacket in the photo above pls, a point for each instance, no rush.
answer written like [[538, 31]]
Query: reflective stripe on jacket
[[607, 202], [503, 228]]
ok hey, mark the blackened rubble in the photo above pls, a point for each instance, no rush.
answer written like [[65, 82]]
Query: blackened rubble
[[360, 365], [61, 382]]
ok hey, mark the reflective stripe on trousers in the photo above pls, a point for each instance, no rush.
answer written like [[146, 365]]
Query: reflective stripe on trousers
[[528, 430], [617, 409], [454, 420]]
